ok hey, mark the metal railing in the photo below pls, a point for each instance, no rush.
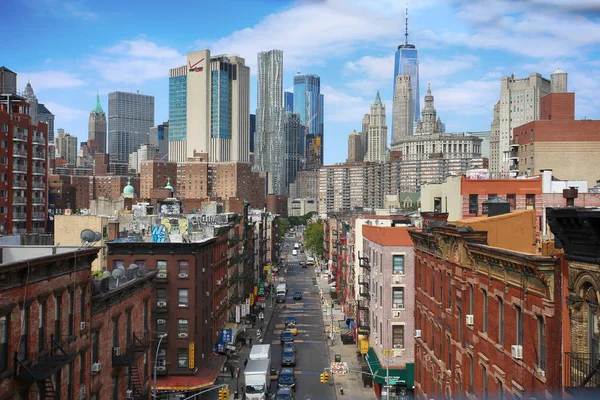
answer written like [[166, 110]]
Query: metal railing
[[19, 200], [19, 183], [38, 215], [39, 170], [36, 200], [39, 185], [19, 215], [37, 154], [582, 373], [19, 167], [19, 152], [38, 139], [19, 136]]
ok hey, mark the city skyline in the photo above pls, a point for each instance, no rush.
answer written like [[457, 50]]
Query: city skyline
[[461, 53]]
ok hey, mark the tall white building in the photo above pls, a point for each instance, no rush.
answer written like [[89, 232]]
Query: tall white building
[[377, 140], [269, 140], [403, 109]]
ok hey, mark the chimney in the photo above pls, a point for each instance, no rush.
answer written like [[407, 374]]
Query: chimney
[[570, 195]]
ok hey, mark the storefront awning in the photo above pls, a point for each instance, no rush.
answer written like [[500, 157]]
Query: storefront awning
[[397, 376], [206, 376]]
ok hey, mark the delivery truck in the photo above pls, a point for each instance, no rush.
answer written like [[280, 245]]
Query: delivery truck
[[260, 352], [257, 378]]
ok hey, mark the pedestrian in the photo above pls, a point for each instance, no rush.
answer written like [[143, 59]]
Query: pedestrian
[[232, 370], [245, 362], [250, 342]]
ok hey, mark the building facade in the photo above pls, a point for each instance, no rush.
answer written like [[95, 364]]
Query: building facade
[[156, 174], [341, 188], [97, 129], [354, 153], [406, 62], [403, 120], [130, 117], [178, 114], [159, 138], [292, 139], [66, 147], [308, 103], [377, 128]]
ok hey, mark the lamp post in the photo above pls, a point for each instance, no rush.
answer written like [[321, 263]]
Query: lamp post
[[387, 368], [164, 335]]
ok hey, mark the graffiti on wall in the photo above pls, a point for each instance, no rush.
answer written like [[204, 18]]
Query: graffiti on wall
[[199, 221], [159, 234]]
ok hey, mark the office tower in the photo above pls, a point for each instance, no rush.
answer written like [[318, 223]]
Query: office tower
[[268, 155], [178, 114], [66, 146], [354, 147], [97, 129], [377, 148], [252, 131], [33, 102], [159, 138], [130, 117], [308, 103], [402, 116], [364, 137], [519, 104], [37, 111], [288, 101], [44, 115], [292, 137], [8, 81], [213, 95], [406, 62]]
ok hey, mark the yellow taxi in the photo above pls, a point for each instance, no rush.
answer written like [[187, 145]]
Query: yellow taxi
[[292, 328]]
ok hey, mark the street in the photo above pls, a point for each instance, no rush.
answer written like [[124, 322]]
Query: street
[[311, 343]]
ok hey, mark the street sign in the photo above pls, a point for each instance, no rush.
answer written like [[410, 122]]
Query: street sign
[[191, 360], [226, 335]]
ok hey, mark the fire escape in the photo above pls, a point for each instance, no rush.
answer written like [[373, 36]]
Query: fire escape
[[42, 366], [364, 277], [129, 357]]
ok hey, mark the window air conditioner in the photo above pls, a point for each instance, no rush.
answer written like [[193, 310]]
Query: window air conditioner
[[182, 335], [82, 326], [517, 351], [218, 282], [161, 303], [183, 275], [116, 351], [161, 321], [161, 368], [417, 333], [161, 275], [129, 394], [96, 367], [470, 319]]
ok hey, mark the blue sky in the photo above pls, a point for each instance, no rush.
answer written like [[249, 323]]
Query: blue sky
[[71, 49]]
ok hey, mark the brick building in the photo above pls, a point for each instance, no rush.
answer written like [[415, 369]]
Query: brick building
[[557, 141], [121, 334], [156, 174], [45, 320], [23, 166], [576, 232], [386, 284], [488, 319]]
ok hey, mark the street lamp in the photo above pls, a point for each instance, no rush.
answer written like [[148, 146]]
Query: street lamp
[[164, 335], [387, 369]]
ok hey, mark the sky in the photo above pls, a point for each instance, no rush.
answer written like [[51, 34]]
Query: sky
[[71, 50]]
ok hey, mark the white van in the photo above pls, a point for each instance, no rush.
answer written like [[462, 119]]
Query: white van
[[294, 252]]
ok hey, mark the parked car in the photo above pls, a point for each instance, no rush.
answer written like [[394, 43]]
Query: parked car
[[288, 358], [285, 393], [289, 346], [286, 336], [297, 295], [287, 379]]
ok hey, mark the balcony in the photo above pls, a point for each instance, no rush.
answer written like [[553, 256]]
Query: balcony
[[38, 216], [39, 155], [363, 262], [126, 356], [38, 230], [39, 170], [582, 375], [19, 200], [19, 184], [363, 305], [37, 367], [18, 136], [19, 153], [19, 167], [37, 139], [39, 185], [36, 200], [21, 216]]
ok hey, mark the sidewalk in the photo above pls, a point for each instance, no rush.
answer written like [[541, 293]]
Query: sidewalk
[[351, 382]]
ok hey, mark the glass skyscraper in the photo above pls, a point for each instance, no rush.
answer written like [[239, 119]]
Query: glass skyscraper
[[130, 117], [177, 104], [308, 104], [406, 62]]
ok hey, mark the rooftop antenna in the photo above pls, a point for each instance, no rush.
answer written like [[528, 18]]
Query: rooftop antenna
[[406, 28]]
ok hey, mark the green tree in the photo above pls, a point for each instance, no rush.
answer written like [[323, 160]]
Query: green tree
[[313, 238], [284, 225]]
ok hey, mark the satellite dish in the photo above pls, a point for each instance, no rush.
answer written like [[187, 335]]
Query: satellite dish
[[98, 236], [88, 235], [106, 273], [118, 273], [133, 266]]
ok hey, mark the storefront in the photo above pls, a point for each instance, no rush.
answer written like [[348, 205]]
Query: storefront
[[401, 380]]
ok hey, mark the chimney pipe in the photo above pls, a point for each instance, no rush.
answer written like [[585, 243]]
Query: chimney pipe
[[570, 195]]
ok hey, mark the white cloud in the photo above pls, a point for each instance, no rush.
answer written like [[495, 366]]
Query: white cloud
[[136, 61], [437, 70], [64, 113], [51, 80]]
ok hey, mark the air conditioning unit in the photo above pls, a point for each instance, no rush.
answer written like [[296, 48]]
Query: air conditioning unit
[[183, 275], [96, 367], [161, 303], [82, 393], [161, 368], [82, 326], [161, 321], [470, 319], [417, 333], [207, 294], [116, 351], [396, 279], [161, 275], [203, 269], [129, 394], [517, 351], [218, 282], [396, 314], [182, 335]]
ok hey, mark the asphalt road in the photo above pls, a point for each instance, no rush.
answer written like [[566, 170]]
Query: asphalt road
[[312, 355]]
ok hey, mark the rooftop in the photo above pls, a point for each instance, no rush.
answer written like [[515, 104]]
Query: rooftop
[[388, 236]]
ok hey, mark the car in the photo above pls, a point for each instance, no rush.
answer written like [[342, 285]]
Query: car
[[285, 393], [286, 336], [294, 252], [290, 320], [286, 379], [292, 328], [288, 358], [281, 298], [297, 295], [289, 346]]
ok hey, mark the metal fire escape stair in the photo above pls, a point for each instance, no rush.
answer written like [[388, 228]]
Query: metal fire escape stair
[[47, 389], [135, 382]]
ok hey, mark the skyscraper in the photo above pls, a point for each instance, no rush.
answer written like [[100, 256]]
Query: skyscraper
[[252, 131], [377, 147], [33, 103], [268, 144], [66, 146], [406, 62], [46, 116], [209, 101], [130, 117], [353, 147], [403, 108], [288, 101], [97, 129], [292, 139], [308, 103]]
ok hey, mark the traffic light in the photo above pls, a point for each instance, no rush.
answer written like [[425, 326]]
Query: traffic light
[[324, 377], [226, 394]]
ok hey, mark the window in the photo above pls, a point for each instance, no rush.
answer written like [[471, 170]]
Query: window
[[449, 292], [485, 311], [42, 325], [541, 343], [460, 323], [118, 263], [24, 333], [82, 304], [380, 333], [398, 267], [473, 204], [519, 325], [471, 300], [485, 384], [182, 358], [530, 201], [116, 332], [82, 368], [128, 326], [500, 390], [183, 297], [95, 346], [512, 201], [4, 343], [71, 313], [449, 366], [183, 267], [471, 375], [398, 336], [145, 316], [437, 204], [58, 312], [398, 297], [140, 263], [441, 288], [182, 326], [161, 294], [380, 296], [161, 266], [500, 321]]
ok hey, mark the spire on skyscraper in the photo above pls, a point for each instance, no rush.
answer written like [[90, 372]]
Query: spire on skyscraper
[[98, 109], [377, 99], [406, 28]]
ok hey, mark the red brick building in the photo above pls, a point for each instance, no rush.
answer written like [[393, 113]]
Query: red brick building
[[488, 319], [23, 166]]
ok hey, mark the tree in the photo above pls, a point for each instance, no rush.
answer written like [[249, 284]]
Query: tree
[[313, 238], [283, 226]]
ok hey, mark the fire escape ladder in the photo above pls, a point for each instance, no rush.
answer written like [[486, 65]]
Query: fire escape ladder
[[47, 389], [135, 381]]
